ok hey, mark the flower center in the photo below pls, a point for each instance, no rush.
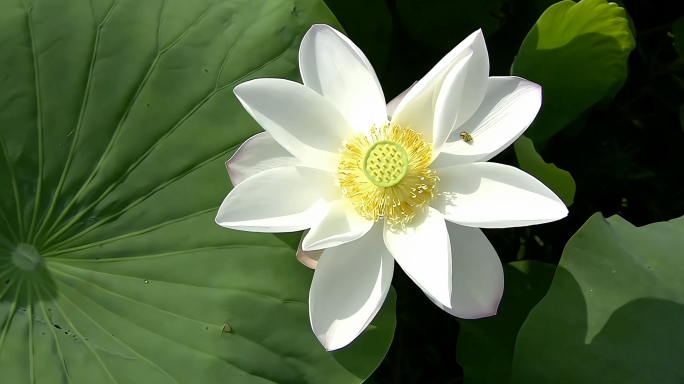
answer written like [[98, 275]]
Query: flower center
[[385, 163], [384, 174]]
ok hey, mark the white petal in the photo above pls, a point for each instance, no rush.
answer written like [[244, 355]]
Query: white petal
[[308, 258], [349, 286], [490, 195], [462, 93], [449, 94], [333, 66], [299, 119], [259, 153], [477, 279], [340, 225], [284, 199], [424, 253], [392, 105], [509, 107]]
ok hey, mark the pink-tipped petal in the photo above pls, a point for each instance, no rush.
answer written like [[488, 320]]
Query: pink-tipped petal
[[340, 225], [349, 286], [284, 199], [299, 119], [509, 107], [448, 94], [423, 252], [477, 279], [308, 258], [491, 195], [259, 153]]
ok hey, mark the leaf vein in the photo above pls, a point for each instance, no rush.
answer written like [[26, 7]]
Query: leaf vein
[[79, 123], [54, 333], [97, 357], [152, 331], [39, 124]]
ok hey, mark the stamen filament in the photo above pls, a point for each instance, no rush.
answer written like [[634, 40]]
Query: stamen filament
[[387, 193]]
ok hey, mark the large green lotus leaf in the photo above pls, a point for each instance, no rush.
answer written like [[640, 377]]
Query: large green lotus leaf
[[560, 181], [485, 346], [614, 312], [578, 53], [116, 118]]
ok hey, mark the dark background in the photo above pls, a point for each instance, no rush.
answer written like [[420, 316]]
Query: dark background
[[627, 159]]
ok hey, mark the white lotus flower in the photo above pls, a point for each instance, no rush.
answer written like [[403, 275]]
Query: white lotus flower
[[375, 188]]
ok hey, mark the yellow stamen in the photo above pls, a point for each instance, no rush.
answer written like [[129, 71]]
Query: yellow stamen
[[385, 174]]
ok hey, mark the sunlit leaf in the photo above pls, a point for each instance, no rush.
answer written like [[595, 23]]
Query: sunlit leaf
[[578, 53], [614, 312], [560, 181], [116, 119], [632, 27]]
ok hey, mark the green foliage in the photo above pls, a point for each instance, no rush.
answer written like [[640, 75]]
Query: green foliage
[[485, 346], [614, 311], [632, 27], [116, 118], [612, 314], [560, 181], [578, 53], [678, 32]]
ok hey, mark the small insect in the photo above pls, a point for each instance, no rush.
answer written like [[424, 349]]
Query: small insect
[[226, 328], [466, 137]]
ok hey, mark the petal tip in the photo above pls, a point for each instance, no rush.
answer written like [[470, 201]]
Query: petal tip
[[320, 26], [566, 211], [306, 247], [331, 343], [477, 35], [317, 28], [443, 298], [231, 173], [331, 348], [334, 344], [561, 212], [485, 313], [239, 87]]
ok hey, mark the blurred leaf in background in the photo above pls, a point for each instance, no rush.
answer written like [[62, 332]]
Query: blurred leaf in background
[[578, 53], [485, 346], [432, 21], [614, 312], [632, 27], [560, 181], [678, 32]]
